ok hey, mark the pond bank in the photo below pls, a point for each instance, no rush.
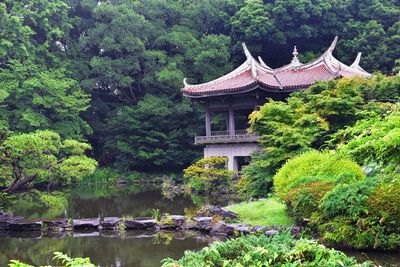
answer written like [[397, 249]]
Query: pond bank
[[210, 219]]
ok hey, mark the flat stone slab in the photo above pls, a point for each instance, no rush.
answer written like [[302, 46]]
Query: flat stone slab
[[140, 223], [22, 226], [110, 222], [86, 223], [55, 223], [271, 232]]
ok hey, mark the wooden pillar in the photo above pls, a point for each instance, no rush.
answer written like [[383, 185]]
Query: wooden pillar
[[208, 122], [231, 121]]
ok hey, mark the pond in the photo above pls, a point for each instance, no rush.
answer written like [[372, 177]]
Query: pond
[[110, 249]]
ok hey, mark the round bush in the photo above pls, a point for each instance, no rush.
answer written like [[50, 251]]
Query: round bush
[[316, 164]]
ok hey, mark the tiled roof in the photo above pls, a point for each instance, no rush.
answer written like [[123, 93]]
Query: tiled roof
[[254, 74]]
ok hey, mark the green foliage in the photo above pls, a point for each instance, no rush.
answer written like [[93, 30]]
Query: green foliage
[[303, 200], [6, 201], [280, 250], [32, 98], [256, 179], [137, 144], [208, 175], [373, 141], [39, 158], [363, 214], [329, 166], [65, 260], [56, 54]]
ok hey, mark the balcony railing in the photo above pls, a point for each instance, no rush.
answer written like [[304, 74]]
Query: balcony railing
[[220, 137]]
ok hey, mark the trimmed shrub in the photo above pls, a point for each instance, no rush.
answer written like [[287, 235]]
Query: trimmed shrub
[[208, 175], [279, 250], [314, 163]]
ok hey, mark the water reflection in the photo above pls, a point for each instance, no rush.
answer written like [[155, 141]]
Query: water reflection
[[135, 248], [95, 201]]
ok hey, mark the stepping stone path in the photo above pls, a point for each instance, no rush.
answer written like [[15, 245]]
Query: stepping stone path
[[208, 220]]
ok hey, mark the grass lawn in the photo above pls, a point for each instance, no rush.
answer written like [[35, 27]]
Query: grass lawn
[[262, 212]]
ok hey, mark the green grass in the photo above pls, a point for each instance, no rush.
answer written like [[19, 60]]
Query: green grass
[[262, 212]]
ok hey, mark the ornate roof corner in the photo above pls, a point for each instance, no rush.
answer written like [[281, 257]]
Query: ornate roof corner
[[247, 52], [332, 46], [356, 63], [262, 63], [185, 82]]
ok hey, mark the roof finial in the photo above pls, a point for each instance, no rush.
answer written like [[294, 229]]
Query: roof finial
[[295, 60]]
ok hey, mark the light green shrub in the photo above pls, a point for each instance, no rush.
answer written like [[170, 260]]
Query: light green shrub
[[314, 163], [208, 174]]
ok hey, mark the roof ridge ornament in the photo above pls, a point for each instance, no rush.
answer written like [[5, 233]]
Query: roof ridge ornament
[[247, 52], [250, 61], [356, 62], [332, 46], [185, 82], [295, 60]]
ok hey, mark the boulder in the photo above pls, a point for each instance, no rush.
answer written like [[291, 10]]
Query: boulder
[[178, 220], [110, 223], [202, 223], [243, 229], [222, 228], [258, 229], [296, 230], [172, 222], [140, 223], [210, 210], [92, 223], [271, 232], [25, 225]]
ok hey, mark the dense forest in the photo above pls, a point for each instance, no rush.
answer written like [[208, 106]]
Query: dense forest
[[109, 73]]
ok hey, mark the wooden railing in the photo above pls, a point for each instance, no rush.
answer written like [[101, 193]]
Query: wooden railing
[[220, 137]]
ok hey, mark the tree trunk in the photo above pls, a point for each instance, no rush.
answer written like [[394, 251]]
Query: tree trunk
[[17, 184], [19, 180]]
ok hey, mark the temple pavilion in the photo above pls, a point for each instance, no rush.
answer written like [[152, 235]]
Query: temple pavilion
[[235, 95]]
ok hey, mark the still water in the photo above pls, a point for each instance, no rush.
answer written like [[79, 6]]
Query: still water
[[106, 249], [110, 249]]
